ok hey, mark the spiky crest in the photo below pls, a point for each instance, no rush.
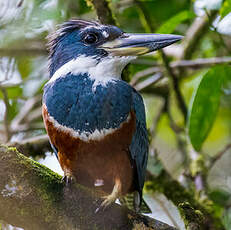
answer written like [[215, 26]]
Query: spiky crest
[[64, 28]]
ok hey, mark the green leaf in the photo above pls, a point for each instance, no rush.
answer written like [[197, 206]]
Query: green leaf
[[226, 8], [13, 109], [205, 104], [170, 25], [226, 218], [13, 92], [220, 196], [24, 66]]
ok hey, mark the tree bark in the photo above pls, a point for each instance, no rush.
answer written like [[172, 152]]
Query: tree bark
[[34, 197]]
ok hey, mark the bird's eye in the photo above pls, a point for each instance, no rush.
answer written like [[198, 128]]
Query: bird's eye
[[91, 38]]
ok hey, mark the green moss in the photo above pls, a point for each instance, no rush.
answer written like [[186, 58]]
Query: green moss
[[190, 215], [183, 198], [170, 188], [198, 166], [50, 183]]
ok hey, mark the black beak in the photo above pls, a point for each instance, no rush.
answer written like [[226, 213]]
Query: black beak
[[138, 44]]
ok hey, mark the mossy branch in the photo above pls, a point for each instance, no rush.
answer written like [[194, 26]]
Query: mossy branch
[[34, 197], [197, 215], [32, 147]]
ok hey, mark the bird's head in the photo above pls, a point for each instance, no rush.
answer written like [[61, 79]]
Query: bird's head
[[86, 44]]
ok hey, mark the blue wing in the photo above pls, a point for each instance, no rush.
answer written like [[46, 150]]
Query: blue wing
[[139, 145]]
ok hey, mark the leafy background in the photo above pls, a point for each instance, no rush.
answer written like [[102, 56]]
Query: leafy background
[[186, 89]]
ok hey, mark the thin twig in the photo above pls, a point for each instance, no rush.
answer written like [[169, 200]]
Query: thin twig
[[197, 172], [29, 51], [175, 81], [219, 155], [194, 34], [149, 81], [25, 111], [157, 118], [189, 64], [34, 115], [33, 146], [201, 62], [148, 25], [179, 131], [28, 127], [103, 11], [139, 75], [6, 118], [24, 128]]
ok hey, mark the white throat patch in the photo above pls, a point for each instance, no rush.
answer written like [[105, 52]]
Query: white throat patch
[[101, 72]]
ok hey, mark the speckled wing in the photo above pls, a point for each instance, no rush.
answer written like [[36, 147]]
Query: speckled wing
[[139, 145]]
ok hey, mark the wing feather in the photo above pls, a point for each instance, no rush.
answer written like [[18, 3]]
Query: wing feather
[[139, 145]]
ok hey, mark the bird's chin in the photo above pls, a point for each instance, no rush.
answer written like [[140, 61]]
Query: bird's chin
[[120, 61]]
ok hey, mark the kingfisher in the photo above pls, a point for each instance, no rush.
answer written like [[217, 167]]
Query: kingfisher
[[96, 121]]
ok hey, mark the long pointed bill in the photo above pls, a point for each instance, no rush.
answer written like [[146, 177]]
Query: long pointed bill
[[137, 44]]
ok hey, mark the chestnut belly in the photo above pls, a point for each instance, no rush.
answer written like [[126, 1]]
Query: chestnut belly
[[96, 163]]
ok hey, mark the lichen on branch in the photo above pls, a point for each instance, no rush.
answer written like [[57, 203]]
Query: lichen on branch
[[34, 197]]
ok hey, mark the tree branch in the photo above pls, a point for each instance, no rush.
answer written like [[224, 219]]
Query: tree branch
[[149, 81], [194, 34], [32, 147], [219, 155], [189, 64], [176, 85], [26, 111], [149, 28], [6, 114], [27, 51], [194, 213], [33, 197], [103, 11]]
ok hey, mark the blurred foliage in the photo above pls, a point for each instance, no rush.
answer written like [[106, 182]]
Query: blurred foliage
[[225, 9], [205, 104], [205, 88]]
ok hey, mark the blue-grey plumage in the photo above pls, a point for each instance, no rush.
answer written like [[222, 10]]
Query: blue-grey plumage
[[95, 121], [84, 110]]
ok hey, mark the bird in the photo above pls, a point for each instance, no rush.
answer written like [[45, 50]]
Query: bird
[[96, 121]]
